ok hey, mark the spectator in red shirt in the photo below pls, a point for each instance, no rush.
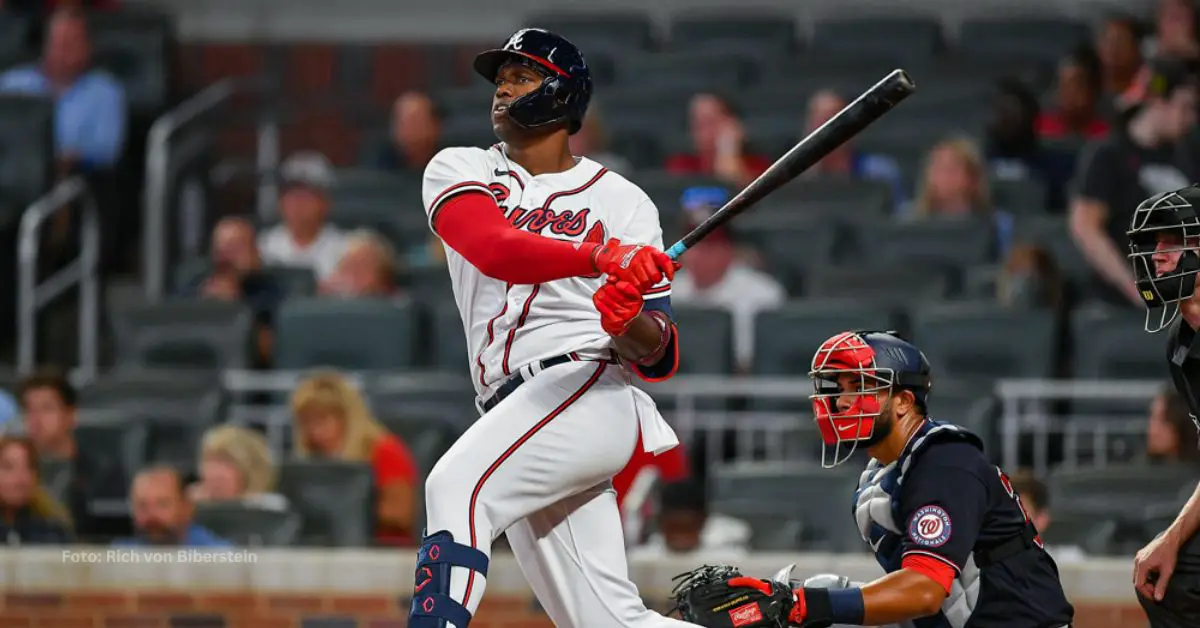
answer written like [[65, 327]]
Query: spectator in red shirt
[[1076, 102], [718, 144], [331, 420], [643, 471]]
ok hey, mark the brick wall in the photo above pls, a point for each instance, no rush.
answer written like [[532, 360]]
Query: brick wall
[[116, 609], [81, 588]]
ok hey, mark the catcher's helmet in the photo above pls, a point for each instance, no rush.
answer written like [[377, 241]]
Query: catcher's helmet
[[876, 362], [1164, 237], [563, 95]]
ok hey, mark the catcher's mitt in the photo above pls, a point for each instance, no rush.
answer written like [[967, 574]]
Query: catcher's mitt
[[719, 596]]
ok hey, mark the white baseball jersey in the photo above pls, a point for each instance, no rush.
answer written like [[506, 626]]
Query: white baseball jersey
[[507, 325]]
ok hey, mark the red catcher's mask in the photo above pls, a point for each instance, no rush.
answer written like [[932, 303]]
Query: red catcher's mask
[[847, 384]]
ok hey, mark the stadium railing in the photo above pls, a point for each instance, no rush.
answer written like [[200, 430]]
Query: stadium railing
[[175, 151], [83, 271]]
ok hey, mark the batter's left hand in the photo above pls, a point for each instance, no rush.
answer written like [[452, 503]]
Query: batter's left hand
[[619, 303]]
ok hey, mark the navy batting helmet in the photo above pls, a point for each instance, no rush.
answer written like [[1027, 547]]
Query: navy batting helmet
[[878, 362], [563, 95]]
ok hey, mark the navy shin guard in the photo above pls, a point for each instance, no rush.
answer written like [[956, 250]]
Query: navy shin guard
[[432, 606]]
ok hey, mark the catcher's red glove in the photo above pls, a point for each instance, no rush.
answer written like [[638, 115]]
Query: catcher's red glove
[[619, 303], [643, 266]]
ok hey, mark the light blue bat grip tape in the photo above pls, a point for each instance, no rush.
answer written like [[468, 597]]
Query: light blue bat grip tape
[[676, 250]]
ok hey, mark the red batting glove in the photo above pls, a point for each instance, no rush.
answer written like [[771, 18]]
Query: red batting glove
[[640, 265], [619, 303]]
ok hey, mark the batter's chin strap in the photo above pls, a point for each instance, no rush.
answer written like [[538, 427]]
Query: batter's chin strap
[[432, 606]]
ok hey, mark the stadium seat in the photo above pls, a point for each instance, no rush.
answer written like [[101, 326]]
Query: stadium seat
[[1020, 38], [115, 450], [954, 243], [430, 286], [137, 48], [789, 489], [335, 501], [426, 437], [665, 189], [374, 334], [692, 72], [183, 333], [895, 38], [155, 392], [705, 340], [175, 442], [1090, 533], [751, 33], [370, 184], [791, 245], [296, 281], [985, 342], [600, 31], [1118, 490], [14, 39], [649, 109], [836, 197], [1020, 197], [1111, 344], [969, 404], [249, 526], [786, 338], [775, 533], [877, 284], [1052, 234], [449, 349], [26, 153]]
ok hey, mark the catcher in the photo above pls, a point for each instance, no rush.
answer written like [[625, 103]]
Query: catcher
[[947, 526]]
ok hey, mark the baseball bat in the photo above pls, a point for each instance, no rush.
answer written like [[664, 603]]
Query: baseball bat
[[848, 122]]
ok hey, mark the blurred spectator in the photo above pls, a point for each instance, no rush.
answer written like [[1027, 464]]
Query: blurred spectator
[[28, 514], [954, 185], [162, 513], [10, 415], [368, 268], [1030, 279], [1076, 100], [236, 274], [718, 144], [1175, 32], [685, 526], [1013, 149], [236, 465], [331, 420], [48, 403], [305, 239], [592, 142], [1170, 432], [1119, 47], [713, 276], [1035, 499], [48, 406], [845, 160], [416, 134], [635, 482], [91, 110], [1145, 157]]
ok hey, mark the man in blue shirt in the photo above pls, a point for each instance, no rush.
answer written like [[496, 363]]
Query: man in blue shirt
[[89, 125], [162, 514]]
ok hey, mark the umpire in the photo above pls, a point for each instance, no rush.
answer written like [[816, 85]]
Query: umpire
[[1164, 248]]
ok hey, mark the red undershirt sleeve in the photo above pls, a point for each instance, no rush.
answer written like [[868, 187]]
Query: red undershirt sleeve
[[473, 226]]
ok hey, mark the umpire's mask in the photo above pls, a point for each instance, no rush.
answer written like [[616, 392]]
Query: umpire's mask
[[1164, 237]]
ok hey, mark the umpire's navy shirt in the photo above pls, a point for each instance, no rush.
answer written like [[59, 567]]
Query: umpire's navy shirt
[[954, 501]]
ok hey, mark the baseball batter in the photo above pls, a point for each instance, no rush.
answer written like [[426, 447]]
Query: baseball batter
[[564, 292]]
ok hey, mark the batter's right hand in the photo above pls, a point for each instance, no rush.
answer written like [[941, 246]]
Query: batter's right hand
[[1154, 565], [640, 265]]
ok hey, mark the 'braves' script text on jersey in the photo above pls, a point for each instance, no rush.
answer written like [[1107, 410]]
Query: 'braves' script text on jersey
[[508, 325]]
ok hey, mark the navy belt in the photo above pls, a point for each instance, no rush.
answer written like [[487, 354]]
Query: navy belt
[[513, 383]]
